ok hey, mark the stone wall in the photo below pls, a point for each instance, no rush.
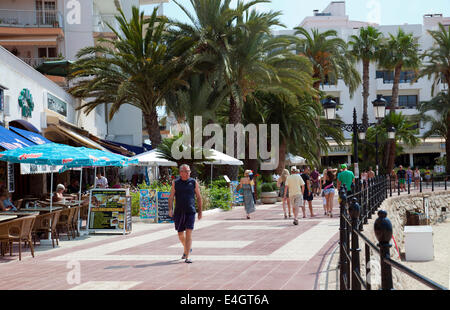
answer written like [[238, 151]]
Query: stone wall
[[396, 208]]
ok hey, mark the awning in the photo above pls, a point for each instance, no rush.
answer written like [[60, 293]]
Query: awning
[[29, 135], [132, 148], [23, 124], [56, 68], [76, 137], [10, 141], [30, 40]]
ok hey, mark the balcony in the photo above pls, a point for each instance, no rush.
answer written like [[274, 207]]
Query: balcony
[[31, 19], [36, 62]]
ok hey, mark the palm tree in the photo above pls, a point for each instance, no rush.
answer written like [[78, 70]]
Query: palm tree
[[437, 66], [330, 57], [399, 52], [366, 47], [440, 105], [138, 68], [231, 40], [405, 131], [437, 59]]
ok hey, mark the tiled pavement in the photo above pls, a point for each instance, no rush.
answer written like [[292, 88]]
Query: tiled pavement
[[229, 252]]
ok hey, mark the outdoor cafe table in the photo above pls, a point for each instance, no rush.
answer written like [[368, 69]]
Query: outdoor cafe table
[[7, 217], [19, 213], [42, 209]]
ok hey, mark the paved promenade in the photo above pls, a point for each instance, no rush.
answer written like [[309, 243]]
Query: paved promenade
[[229, 252]]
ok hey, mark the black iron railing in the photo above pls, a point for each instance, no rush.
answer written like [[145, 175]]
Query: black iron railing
[[356, 209]]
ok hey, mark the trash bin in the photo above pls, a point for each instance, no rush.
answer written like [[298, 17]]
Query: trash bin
[[419, 243]]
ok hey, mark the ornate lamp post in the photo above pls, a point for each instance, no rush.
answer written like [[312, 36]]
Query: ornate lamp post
[[359, 130]]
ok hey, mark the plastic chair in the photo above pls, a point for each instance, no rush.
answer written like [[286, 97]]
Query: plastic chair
[[74, 223]]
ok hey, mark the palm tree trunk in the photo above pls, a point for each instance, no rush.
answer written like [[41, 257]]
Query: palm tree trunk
[[234, 118], [282, 157], [447, 144], [365, 117], [394, 106], [395, 86], [151, 122]]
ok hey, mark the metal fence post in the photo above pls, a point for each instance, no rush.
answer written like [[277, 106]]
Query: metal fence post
[[383, 232], [420, 178], [343, 262], [354, 212], [398, 187], [409, 187], [390, 185], [432, 182]]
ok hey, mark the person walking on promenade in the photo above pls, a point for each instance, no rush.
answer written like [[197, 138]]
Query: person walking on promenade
[[281, 183], [393, 178], [365, 178], [328, 190], [315, 182], [401, 174], [185, 189], [296, 187], [246, 185], [307, 194], [427, 175], [347, 178], [416, 178], [370, 174], [409, 176]]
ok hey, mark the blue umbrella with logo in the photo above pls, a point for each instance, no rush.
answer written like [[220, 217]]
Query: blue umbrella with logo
[[52, 154]]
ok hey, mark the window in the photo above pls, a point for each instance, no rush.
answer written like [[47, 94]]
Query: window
[[388, 76], [404, 101], [47, 52], [46, 12]]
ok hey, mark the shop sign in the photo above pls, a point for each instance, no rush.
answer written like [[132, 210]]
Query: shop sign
[[57, 105], [26, 102], [344, 149], [11, 188], [108, 211]]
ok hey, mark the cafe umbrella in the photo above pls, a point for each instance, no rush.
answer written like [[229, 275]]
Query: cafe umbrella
[[52, 154]]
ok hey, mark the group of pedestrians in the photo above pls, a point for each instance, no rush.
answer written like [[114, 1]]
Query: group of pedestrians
[[403, 178]]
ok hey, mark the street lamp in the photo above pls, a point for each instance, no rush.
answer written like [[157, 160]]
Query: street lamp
[[391, 133], [359, 130], [379, 105], [329, 106]]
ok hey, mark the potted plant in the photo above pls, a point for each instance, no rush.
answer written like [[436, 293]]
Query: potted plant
[[268, 195]]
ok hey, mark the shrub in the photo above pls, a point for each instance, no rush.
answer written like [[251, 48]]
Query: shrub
[[266, 187], [220, 198], [274, 186], [219, 183]]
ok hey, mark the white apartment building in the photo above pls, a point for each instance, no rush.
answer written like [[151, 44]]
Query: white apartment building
[[39, 30], [334, 17]]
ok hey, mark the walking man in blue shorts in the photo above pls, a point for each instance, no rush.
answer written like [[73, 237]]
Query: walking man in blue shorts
[[184, 190]]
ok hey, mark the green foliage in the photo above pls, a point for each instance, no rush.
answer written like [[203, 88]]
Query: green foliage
[[220, 183], [135, 207], [220, 198], [266, 188], [274, 186]]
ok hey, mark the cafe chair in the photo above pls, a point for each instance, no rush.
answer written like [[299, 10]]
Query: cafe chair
[[46, 224], [75, 222], [65, 222], [18, 230]]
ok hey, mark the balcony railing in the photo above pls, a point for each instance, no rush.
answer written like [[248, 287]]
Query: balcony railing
[[23, 18], [36, 62]]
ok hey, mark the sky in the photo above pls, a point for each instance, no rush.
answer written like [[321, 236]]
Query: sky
[[384, 12]]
